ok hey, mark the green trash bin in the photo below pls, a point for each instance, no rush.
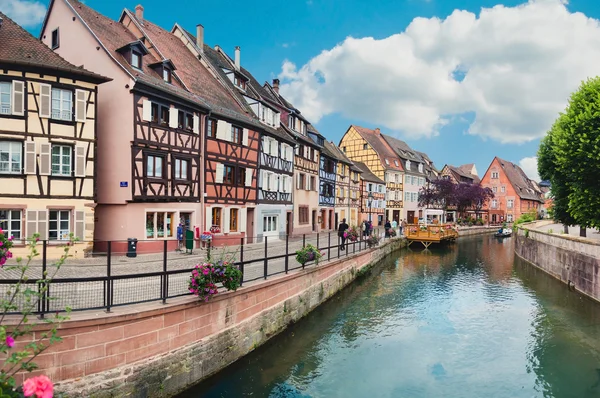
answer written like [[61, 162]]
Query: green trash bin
[[189, 241]]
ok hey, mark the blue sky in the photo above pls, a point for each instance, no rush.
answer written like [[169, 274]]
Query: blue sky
[[418, 104]]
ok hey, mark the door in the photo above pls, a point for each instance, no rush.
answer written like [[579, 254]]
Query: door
[[323, 219], [250, 225], [494, 219], [289, 223], [396, 216], [337, 220], [314, 221], [410, 217], [380, 219], [186, 219]]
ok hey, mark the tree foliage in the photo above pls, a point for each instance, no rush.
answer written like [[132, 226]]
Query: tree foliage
[[443, 194]]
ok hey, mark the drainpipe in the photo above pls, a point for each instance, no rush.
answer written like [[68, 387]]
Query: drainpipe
[[202, 170]]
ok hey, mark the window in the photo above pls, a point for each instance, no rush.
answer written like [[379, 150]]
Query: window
[[238, 81], [211, 128], [216, 219], [59, 225], [503, 189], [270, 224], [420, 168], [494, 203], [398, 195], [365, 146], [494, 189], [10, 157], [407, 179], [408, 165], [494, 174], [344, 149], [160, 114], [154, 166], [509, 218], [233, 220], [236, 134], [136, 59], [241, 176], [413, 196], [228, 174], [396, 163], [303, 214], [167, 75], [181, 169], [370, 188], [406, 196], [55, 39], [61, 160], [5, 98], [62, 104], [164, 115], [186, 120], [397, 178], [160, 225], [387, 162], [510, 203], [313, 184], [413, 180], [10, 223]]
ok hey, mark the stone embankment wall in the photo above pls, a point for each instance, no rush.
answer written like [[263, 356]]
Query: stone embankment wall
[[575, 261], [156, 350], [468, 231]]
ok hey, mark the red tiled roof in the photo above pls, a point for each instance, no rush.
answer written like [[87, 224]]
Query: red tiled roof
[[21, 48], [367, 174], [374, 138], [524, 187]]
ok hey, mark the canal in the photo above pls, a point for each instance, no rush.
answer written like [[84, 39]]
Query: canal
[[469, 320]]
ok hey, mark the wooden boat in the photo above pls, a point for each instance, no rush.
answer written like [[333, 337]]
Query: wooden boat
[[503, 233]]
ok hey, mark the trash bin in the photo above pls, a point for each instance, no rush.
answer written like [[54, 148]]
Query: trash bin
[[189, 241], [131, 247]]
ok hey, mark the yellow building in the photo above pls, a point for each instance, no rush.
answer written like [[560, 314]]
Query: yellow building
[[47, 142], [370, 148]]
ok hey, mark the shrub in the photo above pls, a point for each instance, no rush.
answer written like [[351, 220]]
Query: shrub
[[352, 234], [308, 253], [372, 241]]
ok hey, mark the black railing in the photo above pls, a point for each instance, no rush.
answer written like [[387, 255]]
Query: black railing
[[112, 280]]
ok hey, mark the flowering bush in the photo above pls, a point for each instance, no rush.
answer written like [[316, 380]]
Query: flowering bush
[[23, 300], [372, 241], [352, 234], [308, 253], [205, 276], [392, 232]]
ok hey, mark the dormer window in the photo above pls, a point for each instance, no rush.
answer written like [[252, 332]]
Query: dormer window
[[420, 168], [387, 162], [408, 165], [239, 82], [136, 60], [165, 69], [396, 163], [134, 52], [167, 75]]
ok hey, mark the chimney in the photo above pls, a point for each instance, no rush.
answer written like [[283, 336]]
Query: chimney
[[200, 37], [276, 85], [377, 131], [139, 12], [237, 57]]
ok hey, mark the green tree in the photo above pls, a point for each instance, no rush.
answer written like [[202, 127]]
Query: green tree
[[548, 169], [576, 146]]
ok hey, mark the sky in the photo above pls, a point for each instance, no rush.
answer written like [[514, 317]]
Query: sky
[[461, 80]]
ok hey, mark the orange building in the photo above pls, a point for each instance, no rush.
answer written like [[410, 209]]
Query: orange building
[[514, 192]]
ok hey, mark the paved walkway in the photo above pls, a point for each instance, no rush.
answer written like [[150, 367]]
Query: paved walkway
[[573, 230], [129, 288]]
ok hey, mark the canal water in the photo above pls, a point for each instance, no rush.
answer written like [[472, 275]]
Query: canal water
[[468, 321]]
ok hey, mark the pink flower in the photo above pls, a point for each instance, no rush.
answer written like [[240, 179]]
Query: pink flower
[[1, 230], [2, 261], [10, 341], [8, 254], [11, 238], [1, 243], [40, 387]]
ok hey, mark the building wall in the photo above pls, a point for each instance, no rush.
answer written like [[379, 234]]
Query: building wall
[[411, 195], [306, 198], [269, 210]]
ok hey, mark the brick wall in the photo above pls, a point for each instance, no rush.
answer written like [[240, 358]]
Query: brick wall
[[141, 350]]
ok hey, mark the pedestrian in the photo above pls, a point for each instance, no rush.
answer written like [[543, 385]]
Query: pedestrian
[[402, 226], [365, 229], [387, 227], [394, 225], [180, 236], [343, 227]]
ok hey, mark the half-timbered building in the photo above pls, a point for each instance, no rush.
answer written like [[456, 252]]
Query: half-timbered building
[[372, 201], [347, 190], [306, 217], [369, 147], [48, 120], [149, 173], [328, 165]]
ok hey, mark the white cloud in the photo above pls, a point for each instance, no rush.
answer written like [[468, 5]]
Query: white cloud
[[529, 166], [519, 64], [25, 13]]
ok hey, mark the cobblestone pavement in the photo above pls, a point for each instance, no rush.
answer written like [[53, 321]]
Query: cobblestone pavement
[[128, 288], [573, 230]]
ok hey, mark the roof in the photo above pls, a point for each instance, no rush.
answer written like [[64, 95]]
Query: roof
[[329, 150], [405, 153], [19, 47], [374, 138], [458, 172], [367, 174], [339, 154], [113, 36], [524, 187]]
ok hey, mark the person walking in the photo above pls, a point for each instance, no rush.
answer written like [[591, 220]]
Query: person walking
[[343, 227], [387, 227], [402, 226], [394, 225], [365, 229], [180, 237]]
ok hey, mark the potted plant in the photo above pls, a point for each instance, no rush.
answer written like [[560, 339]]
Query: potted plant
[[206, 276], [372, 241], [308, 253], [352, 234]]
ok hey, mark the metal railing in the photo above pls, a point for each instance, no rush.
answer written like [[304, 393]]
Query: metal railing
[[110, 280]]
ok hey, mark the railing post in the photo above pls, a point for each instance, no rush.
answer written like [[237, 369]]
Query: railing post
[[329, 247], [303, 241], [338, 246], [164, 276], [43, 302], [317, 241], [287, 256], [266, 262], [108, 278], [242, 260]]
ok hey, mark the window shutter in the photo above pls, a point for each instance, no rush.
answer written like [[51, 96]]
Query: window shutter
[[219, 170], [173, 118], [261, 178], [45, 159], [147, 110], [196, 127], [30, 163], [275, 148], [249, 177], [42, 224], [31, 220], [289, 185], [264, 144], [245, 137], [45, 103], [223, 128], [80, 161], [18, 97], [226, 216], [80, 112], [274, 180], [80, 225], [298, 182], [242, 220], [208, 220]]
